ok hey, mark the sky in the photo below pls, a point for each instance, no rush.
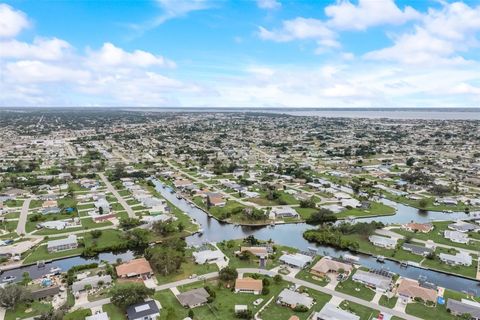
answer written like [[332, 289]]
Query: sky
[[244, 54]]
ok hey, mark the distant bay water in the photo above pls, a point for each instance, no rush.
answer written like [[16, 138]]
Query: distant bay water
[[371, 113]]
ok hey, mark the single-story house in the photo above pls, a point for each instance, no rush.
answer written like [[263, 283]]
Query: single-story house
[[328, 265], [462, 258], [458, 308], [282, 212], [93, 282], [383, 242], [292, 299], [193, 298], [62, 244], [462, 226], [375, 280], [135, 268], [257, 251], [147, 310], [456, 236], [417, 249], [296, 260], [332, 312], [418, 227], [411, 289], [248, 285], [44, 292], [208, 256]]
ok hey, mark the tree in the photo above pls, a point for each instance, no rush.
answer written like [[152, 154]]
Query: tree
[[51, 315], [168, 258], [96, 234], [137, 238], [163, 228], [12, 295], [251, 240], [228, 274], [321, 216], [410, 161], [126, 294], [129, 223], [422, 203], [277, 278], [26, 278], [100, 210]]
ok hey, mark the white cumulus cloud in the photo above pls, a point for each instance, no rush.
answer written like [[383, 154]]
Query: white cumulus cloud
[[11, 21]]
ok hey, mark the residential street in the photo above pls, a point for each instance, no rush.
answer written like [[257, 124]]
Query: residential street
[[22, 220], [120, 200]]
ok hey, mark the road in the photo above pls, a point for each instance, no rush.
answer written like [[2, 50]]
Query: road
[[271, 273], [22, 220], [120, 200]]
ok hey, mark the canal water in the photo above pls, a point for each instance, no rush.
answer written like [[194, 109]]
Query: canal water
[[284, 234]]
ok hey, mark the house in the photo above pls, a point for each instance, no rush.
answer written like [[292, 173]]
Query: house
[[459, 308], [462, 226], [92, 282], [292, 299], [63, 244], [208, 256], [332, 312], [217, 201], [135, 268], [383, 242], [283, 212], [296, 260], [381, 281], [102, 203], [98, 316], [193, 298], [456, 236], [147, 310], [462, 258], [418, 227], [55, 225], [256, 251], [248, 285], [240, 308], [328, 265], [417, 249], [409, 289], [44, 292]]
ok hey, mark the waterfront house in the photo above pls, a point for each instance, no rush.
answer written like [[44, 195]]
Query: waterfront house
[[418, 227], [332, 312], [148, 310], [462, 258], [92, 282], [462, 226], [62, 244], [380, 281], [45, 292], [283, 212], [456, 236], [409, 289], [248, 285], [465, 306], [136, 268], [328, 265], [208, 256], [296, 260], [256, 251], [383, 242], [417, 249], [293, 299], [193, 298]]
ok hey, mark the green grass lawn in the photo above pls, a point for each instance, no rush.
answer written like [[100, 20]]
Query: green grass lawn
[[13, 203], [114, 312], [78, 314], [23, 310], [388, 302], [438, 312], [376, 209], [429, 204], [363, 312], [470, 271], [108, 238], [35, 204], [41, 253], [88, 223], [171, 308], [355, 289]]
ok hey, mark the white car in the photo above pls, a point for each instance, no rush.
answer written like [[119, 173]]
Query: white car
[[257, 302]]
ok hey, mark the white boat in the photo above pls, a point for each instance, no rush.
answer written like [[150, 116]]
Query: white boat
[[9, 279], [351, 258], [381, 259], [55, 270]]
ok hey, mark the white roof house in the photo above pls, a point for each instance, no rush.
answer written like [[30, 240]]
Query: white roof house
[[379, 282], [331, 312], [284, 211], [461, 258], [62, 244], [456, 236], [291, 298], [296, 260], [208, 256], [383, 242]]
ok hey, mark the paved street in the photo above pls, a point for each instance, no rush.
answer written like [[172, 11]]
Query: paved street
[[120, 200], [22, 220]]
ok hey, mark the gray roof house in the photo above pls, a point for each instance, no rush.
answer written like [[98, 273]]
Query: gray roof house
[[463, 226], [417, 249], [383, 242], [193, 298], [292, 298], [147, 310], [456, 236], [331, 312], [371, 279], [45, 292], [91, 281], [62, 244], [297, 260], [458, 308], [285, 211]]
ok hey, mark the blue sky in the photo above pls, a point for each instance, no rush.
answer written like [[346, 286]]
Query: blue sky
[[265, 53]]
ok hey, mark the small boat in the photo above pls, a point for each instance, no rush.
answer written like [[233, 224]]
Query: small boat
[[404, 264], [41, 264], [200, 231], [55, 270], [351, 258], [179, 197], [381, 259], [9, 279], [272, 224]]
